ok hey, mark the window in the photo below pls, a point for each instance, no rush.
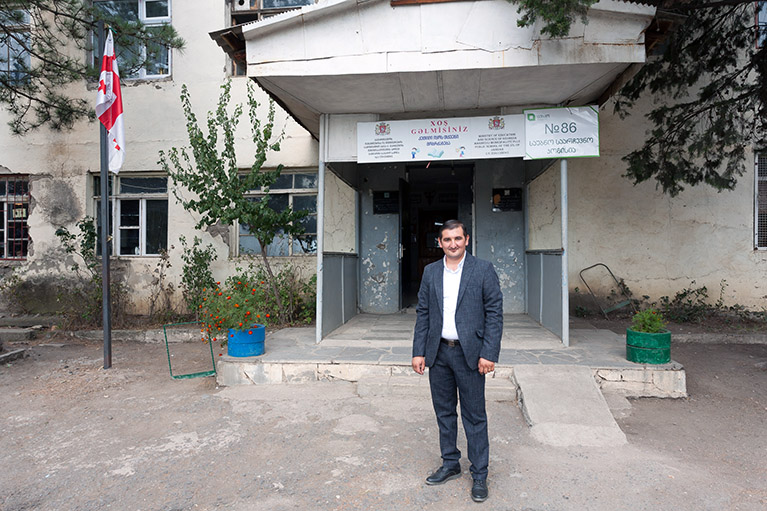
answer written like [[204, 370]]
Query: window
[[14, 42], [245, 11], [154, 14], [141, 209], [760, 208], [299, 191], [761, 24], [14, 199]]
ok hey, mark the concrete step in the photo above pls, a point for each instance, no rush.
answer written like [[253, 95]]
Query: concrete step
[[17, 334], [564, 406]]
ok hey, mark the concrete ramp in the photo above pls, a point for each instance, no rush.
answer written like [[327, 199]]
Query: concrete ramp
[[564, 407]]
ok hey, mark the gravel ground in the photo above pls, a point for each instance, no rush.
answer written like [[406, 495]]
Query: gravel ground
[[76, 437]]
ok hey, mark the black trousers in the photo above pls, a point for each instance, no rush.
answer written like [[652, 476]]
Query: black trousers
[[449, 378]]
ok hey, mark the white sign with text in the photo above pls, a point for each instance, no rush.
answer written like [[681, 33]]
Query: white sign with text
[[561, 132], [452, 138]]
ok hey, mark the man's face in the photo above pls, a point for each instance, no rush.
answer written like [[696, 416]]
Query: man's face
[[453, 243]]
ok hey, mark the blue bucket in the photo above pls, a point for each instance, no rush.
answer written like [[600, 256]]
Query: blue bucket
[[246, 343]]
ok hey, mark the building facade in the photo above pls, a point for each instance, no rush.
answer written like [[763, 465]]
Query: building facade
[[337, 63]]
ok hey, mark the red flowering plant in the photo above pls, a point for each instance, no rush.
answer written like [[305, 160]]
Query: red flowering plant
[[649, 321], [238, 304]]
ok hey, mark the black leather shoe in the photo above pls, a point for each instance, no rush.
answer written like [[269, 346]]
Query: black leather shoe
[[479, 490], [443, 475]]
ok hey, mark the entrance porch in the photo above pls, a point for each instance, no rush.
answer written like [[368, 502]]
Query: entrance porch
[[380, 347]]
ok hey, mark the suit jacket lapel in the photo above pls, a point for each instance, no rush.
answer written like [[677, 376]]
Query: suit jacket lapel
[[468, 269]]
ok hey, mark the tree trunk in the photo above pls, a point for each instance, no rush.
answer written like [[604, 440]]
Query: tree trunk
[[272, 282]]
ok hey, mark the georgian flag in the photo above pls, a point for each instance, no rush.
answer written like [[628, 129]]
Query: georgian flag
[[109, 105]]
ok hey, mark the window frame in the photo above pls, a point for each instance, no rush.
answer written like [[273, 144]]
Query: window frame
[[6, 65], [149, 22], [757, 208], [760, 22], [7, 199], [291, 193], [116, 199]]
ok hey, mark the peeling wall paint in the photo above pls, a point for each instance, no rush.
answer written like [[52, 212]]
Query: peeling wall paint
[[379, 242], [658, 244], [500, 236]]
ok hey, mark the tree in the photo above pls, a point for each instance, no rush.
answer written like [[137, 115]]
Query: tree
[[44, 46], [217, 182], [709, 84]]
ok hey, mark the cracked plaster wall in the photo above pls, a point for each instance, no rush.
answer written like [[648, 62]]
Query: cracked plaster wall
[[657, 243], [59, 163], [500, 236], [340, 221]]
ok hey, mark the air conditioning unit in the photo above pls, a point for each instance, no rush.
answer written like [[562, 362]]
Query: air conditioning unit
[[242, 5]]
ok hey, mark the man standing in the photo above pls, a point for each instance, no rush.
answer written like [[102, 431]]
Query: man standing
[[458, 336]]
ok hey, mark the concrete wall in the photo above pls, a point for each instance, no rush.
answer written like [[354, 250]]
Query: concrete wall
[[500, 236], [657, 243], [59, 163]]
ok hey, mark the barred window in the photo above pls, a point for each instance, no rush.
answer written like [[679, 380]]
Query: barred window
[[14, 231], [760, 224]]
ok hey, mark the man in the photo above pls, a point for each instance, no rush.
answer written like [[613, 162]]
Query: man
[[458, 337]]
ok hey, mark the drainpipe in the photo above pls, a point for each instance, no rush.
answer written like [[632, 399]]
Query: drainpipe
[[321, 221], [565, 286]]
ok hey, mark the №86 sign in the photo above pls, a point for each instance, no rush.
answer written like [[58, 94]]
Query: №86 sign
[[561, 133]]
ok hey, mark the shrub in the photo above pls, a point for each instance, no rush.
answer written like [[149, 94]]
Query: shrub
[[648, 321]]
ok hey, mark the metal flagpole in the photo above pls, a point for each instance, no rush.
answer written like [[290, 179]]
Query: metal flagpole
[[105, 296]]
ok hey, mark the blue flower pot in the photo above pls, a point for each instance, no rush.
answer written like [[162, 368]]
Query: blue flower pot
[[246, 343]]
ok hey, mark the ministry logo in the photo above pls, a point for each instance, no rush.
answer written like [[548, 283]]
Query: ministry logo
[[496, 123], [383, 128]]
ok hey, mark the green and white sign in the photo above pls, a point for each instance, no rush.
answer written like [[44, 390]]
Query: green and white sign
[[561, 133]]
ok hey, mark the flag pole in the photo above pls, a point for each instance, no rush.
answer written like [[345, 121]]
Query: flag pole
[[105, 296]]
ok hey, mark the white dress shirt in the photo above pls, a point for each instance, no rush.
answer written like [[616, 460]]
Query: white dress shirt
[[451, 281]]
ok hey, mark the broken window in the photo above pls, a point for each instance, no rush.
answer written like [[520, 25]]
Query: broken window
[[14, 230]]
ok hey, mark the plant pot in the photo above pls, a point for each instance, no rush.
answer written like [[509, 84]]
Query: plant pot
[[246, 343], [644, 348]]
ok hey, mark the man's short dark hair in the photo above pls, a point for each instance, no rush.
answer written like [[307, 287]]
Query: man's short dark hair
[[452, 224]]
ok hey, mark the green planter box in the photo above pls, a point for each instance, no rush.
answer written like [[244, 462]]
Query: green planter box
[[644, 348]]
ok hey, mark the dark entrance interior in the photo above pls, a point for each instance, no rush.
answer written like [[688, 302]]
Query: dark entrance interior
[[429, 197]]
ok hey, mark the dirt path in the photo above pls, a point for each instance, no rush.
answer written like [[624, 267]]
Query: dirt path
[[76, 437]]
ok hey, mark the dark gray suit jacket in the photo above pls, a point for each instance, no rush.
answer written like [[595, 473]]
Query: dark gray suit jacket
[[478, 315]]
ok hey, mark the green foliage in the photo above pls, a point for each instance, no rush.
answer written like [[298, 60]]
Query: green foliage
[[38, 94], [218, 185], [557, 16], [196, 274], [245, 299], [81, 302], [649, 321], [710, 92], [688, 305], [161, 291], [708, 83]]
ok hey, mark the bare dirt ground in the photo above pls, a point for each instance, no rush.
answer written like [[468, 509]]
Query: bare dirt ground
[[76, 437]]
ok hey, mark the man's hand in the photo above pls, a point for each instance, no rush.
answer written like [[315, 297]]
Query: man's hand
[[419, 364], [485, 366]]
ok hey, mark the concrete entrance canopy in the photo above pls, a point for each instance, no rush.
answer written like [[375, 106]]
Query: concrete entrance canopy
[[339, 62], [350, 56]]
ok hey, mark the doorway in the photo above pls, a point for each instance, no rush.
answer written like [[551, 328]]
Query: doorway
[[429, 196]]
